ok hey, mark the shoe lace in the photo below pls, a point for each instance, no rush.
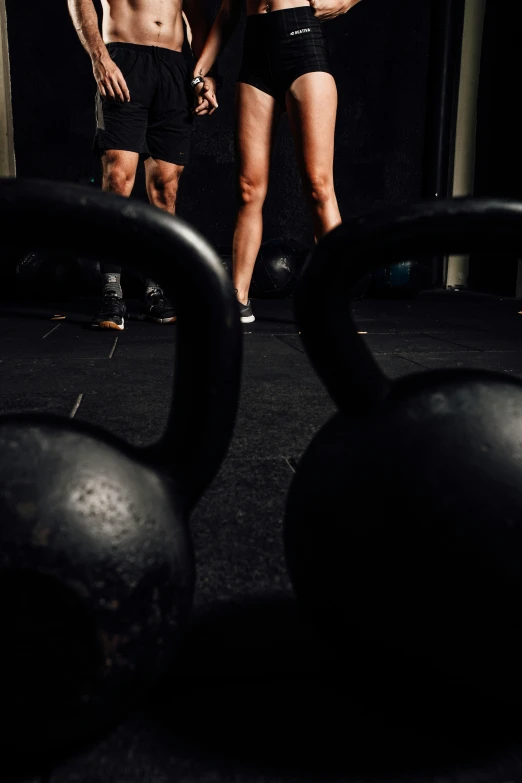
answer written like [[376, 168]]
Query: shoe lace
[[111, 301], [157, 298]]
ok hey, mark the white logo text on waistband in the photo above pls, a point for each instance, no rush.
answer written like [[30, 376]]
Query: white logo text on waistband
[[298, 32]]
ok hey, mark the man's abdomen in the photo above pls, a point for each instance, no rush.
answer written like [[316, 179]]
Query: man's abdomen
[[145, 22]]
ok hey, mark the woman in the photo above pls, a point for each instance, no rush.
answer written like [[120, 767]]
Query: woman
[[285, 67]]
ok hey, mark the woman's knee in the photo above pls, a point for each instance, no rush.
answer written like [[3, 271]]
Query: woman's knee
[[252, 190], [320, 188]]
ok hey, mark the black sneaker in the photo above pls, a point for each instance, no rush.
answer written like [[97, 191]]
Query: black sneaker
[[245, 313], [156, 307], [111, 314]]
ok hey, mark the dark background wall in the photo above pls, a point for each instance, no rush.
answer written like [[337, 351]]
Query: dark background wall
[[498, 169], [379, 54]]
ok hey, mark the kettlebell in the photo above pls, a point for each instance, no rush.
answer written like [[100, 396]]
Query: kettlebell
[[96, 562], [403, 524]]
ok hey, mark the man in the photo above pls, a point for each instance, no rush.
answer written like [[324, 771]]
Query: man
[[143, 110]]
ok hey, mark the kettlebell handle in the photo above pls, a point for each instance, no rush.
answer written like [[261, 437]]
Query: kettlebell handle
[[64, 217], [322, 299]]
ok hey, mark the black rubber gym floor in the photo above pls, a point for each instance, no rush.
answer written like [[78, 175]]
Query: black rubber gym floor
[[253, 696]]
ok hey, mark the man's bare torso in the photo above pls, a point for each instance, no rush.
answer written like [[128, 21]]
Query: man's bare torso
[[146, 22]]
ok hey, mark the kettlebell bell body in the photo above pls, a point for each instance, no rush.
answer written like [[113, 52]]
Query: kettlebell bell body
[[97, 573], [398, 541], [96, 561], [403, 527]]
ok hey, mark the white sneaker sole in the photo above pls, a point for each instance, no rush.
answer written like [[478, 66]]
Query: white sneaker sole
[[162, 320], [248, 319]]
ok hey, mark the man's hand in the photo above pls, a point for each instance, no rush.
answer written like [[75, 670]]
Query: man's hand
[[329, 9], [206, 101], [110, 79]]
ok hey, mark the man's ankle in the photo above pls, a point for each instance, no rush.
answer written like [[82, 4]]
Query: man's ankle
[[112, 284], [152, 287], [112, 291]]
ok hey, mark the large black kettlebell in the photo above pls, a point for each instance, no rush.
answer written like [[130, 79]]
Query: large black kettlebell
[[96, 565], [403, 528]]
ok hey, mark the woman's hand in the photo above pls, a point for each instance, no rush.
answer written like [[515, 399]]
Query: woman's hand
[[206, 101], [329, 9]]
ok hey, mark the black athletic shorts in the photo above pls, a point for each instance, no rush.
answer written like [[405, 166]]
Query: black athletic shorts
[[280, 46], [157, 122]]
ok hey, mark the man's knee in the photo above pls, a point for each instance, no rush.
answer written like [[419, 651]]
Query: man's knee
[[118, 176], [163, 188]]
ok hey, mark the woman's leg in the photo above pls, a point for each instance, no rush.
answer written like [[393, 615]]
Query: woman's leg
[[256, 121], [311, 103]]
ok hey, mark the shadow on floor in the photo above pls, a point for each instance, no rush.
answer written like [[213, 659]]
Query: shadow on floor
[[259, 691]]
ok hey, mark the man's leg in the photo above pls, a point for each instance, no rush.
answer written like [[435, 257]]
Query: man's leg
[[118, 175], [162, 180], [169, 133], [162, 183]]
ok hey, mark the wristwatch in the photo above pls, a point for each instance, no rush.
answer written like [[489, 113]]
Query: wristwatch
[[197, 80]]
